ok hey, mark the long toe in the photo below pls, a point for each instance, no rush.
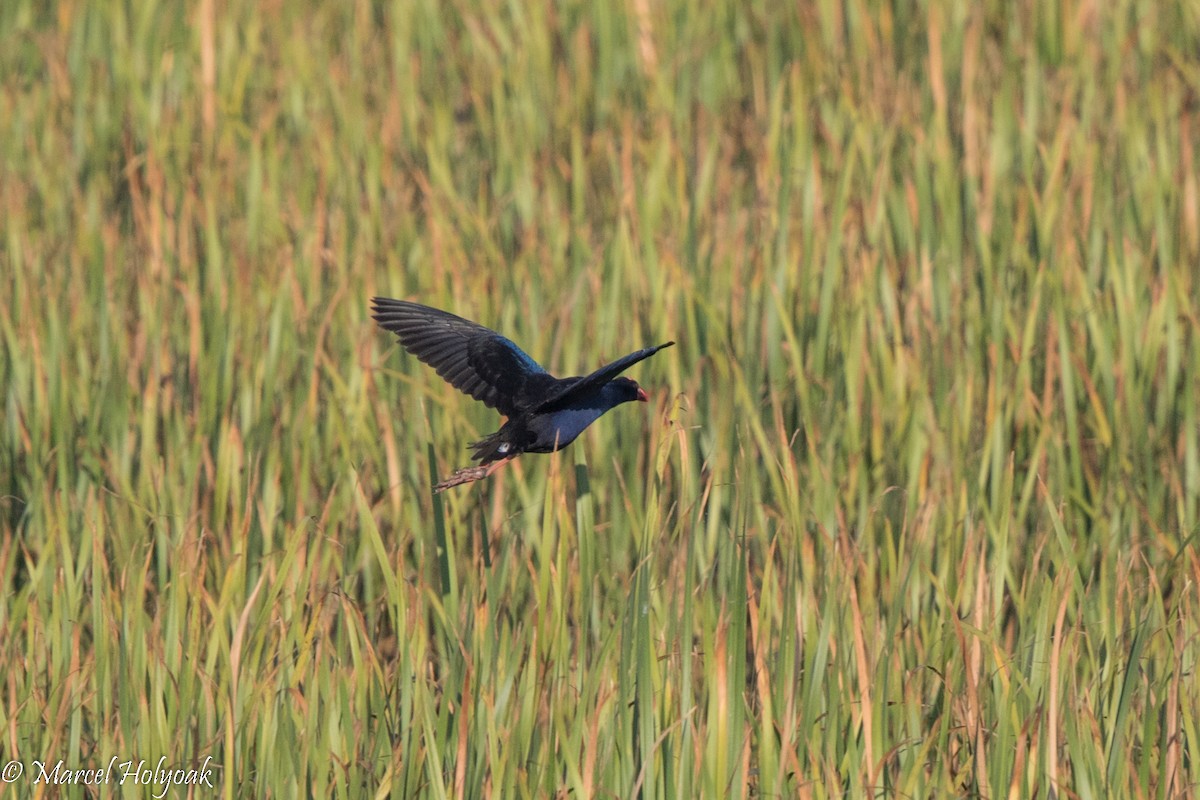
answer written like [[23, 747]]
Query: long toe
[[464, 475], [470, 475]]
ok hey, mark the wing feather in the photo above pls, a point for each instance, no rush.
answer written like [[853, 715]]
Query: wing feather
[[473, 359], [572, 389]]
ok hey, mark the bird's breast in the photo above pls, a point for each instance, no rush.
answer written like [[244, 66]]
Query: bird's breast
[[557, 430]]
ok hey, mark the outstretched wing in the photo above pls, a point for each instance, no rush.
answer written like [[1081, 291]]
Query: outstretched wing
[[572, 390], [470, 357]]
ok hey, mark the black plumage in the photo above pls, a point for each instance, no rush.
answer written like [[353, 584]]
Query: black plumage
[[544, 413]]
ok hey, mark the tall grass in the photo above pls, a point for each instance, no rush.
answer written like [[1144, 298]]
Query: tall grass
[[913, 512]]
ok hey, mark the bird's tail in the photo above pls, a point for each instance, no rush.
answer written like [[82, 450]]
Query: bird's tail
[[491, 448]]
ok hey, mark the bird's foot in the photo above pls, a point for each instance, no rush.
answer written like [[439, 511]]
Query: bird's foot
[[469, 475]]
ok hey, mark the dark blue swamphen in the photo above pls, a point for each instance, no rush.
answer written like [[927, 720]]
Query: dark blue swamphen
[[544, 413]]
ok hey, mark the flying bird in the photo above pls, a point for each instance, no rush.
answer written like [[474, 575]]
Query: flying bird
[[544, 413]]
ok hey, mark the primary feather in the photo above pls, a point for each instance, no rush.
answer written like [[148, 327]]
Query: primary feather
[[573, 389], [470, 357]]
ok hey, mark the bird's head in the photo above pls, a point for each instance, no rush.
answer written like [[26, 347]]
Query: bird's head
[[628, 390]]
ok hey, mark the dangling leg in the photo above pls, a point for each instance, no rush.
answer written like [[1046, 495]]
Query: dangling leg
[[495, 465], [470, 474]]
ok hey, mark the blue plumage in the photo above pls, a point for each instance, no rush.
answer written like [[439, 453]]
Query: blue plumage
[[528, 363], [544, 413]]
